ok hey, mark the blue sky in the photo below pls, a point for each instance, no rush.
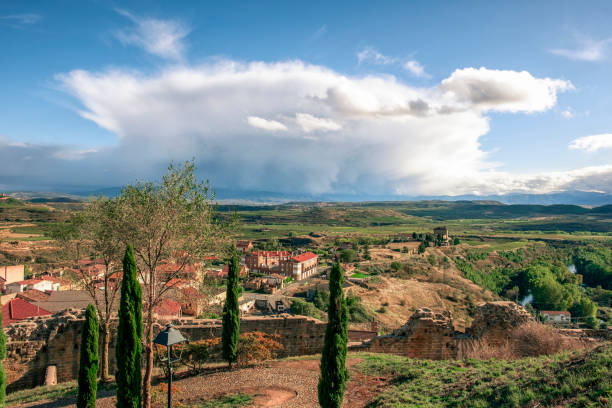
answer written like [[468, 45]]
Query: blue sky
[[311, 97]]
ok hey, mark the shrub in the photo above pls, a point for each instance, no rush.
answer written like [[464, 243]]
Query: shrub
[[197, 353], [531, 339], [348, 255], [300, 307], [255, 347], [356, 310]]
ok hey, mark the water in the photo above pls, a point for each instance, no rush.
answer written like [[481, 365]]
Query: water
[[572, 268]]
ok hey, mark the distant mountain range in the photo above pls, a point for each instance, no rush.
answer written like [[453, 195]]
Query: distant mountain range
[[229, 196]]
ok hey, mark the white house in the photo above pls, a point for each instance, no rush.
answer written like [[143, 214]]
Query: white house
[[556, 316], [28, 284]]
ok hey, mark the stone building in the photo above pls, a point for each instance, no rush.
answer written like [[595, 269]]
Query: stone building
[[301, 266], [244, 246], [441, 233], [266, 261]]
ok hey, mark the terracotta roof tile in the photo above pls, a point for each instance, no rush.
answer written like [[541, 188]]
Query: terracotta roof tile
[[18, 309]]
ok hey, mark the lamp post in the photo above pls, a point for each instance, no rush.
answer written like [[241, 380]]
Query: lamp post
[[168, 338]]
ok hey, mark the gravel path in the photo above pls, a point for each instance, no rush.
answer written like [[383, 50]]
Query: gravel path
[[281, 384]]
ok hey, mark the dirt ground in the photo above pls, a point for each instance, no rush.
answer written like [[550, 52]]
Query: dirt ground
[[5, 232], [281, 384], [437, 289]]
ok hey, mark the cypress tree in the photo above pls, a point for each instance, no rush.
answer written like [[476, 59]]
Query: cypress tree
[[2, 356], [334, 375], [129, 347], [231, 313], [88, 368]]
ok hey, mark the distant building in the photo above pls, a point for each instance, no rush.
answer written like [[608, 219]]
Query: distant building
[[266, 261], [18, 309], [556, 316], [441, 234], [29, 284], [301, 266], [68, 299], [244, 246], [268, 284], [10, 274], [33, 295], [168, 309]]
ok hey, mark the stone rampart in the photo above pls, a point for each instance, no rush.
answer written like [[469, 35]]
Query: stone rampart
[[35, 344]]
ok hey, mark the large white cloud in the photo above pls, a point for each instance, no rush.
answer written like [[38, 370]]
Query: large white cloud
[[317, 131]]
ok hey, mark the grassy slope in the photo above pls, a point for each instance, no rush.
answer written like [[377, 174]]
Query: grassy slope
[[578, 379]]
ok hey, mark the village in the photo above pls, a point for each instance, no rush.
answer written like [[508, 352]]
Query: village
[[269, 280]]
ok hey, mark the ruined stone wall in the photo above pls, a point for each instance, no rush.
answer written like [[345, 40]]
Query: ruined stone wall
[[427, 334], [431, 335], [35, 344]]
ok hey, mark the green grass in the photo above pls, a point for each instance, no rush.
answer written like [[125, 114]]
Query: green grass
[[42, 393], [49, 393], [359, 275], [227, 401], [578, 379], [30, 229]]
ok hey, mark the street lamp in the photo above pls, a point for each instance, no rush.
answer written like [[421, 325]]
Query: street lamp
[[168, 338]]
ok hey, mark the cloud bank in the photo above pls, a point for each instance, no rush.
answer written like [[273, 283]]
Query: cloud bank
[[299, 128]]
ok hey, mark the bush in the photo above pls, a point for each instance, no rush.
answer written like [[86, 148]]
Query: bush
[[527, 340], [321, 300], [255, 347], [197, 353], [348, 255], [356, 310], [300, 307]]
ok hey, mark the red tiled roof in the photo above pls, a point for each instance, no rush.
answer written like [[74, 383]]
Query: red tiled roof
[[18, 309], [555, 312], [176, 282], [167, 307], [211, 258], [29, 281], [304, 257]]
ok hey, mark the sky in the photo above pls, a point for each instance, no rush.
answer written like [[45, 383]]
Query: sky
[[379, 98]]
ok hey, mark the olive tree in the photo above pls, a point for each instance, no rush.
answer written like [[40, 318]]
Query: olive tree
[[173, 221]]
